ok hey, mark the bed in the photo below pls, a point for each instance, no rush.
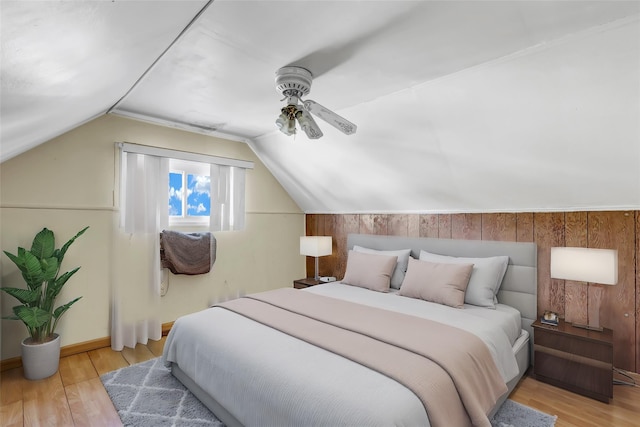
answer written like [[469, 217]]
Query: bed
[[249, 373]]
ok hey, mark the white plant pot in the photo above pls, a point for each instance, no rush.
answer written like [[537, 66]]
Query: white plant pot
[[40, 360]]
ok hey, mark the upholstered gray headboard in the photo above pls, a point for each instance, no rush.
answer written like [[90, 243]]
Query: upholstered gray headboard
[[520, 283]]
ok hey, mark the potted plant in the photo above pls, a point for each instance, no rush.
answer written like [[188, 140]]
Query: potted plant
[[40, 269]]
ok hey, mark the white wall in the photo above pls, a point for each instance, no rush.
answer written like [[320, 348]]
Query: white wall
[[71, 181]]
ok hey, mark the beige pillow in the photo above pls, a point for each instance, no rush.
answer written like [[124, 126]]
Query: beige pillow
[[486, 276], [369, 271], [401, 266], [437, 282]]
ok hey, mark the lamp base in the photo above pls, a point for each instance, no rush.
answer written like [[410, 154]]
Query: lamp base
[[593, 311], [588, 327]]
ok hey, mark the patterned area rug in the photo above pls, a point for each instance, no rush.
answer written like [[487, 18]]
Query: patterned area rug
[[514, 414], [147, 394]]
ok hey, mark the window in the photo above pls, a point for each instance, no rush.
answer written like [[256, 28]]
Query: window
[[162, 187], [189, 192]]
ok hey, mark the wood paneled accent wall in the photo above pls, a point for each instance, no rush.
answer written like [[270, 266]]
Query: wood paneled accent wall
[[619, 230]]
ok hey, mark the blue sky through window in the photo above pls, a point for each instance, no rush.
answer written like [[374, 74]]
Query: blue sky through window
[[198, 196], [175, 194]]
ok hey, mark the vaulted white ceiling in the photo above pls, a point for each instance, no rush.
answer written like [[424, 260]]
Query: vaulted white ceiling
[[461, 106]]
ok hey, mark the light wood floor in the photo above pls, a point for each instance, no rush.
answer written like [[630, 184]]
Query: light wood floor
[[75, 396]]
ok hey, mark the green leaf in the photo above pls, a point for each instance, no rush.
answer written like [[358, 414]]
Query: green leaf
[[25, 296], [32, 272], [33, 317], [63, 308], [43, 244], [49, 267], [54, 288], [17, 259], [59, 253]]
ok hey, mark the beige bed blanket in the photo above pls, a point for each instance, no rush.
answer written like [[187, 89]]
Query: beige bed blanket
[[450, 370]]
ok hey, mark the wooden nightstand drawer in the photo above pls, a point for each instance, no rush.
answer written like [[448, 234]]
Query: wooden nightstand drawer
[[585, 379], [574, 345]]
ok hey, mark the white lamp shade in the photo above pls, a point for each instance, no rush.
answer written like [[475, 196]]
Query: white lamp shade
[[585, 265], [315, 245]]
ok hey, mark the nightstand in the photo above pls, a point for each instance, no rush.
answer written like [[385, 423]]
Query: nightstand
[[305, 283], [575, 359]]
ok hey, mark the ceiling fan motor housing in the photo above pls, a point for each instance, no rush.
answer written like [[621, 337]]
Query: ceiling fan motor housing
[[293, 81]]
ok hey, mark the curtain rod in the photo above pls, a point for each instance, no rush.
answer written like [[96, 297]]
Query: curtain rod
[[183, 155]]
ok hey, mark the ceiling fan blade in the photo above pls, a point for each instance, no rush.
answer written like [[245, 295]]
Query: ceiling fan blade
[[340, 123], [308, 125]]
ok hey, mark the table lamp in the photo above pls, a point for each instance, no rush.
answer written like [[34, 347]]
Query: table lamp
[[315, 246], [596, 266]]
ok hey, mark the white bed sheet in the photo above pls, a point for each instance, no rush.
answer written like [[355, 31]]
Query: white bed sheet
[[295, 383], [508, 318]]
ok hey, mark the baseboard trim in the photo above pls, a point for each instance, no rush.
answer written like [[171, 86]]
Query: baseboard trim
[[70, 350], [83, 347], [166, 327], [14, 362]]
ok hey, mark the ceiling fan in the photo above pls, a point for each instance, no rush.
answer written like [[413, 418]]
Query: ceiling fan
[[294, 83]]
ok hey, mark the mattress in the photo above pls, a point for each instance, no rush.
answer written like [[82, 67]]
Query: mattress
[[292, 382]]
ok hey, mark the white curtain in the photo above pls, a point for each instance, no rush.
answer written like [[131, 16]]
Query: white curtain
[[143, 215], [227, 198]]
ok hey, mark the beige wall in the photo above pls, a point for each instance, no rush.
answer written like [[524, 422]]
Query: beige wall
[[71, 181]]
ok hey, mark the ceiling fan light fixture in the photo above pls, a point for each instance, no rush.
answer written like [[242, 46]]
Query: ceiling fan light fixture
[[286, 120], [308, 125]]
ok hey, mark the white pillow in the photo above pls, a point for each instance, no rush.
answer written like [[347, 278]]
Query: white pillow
[[369, 271], [401, 266], [486, 276]]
